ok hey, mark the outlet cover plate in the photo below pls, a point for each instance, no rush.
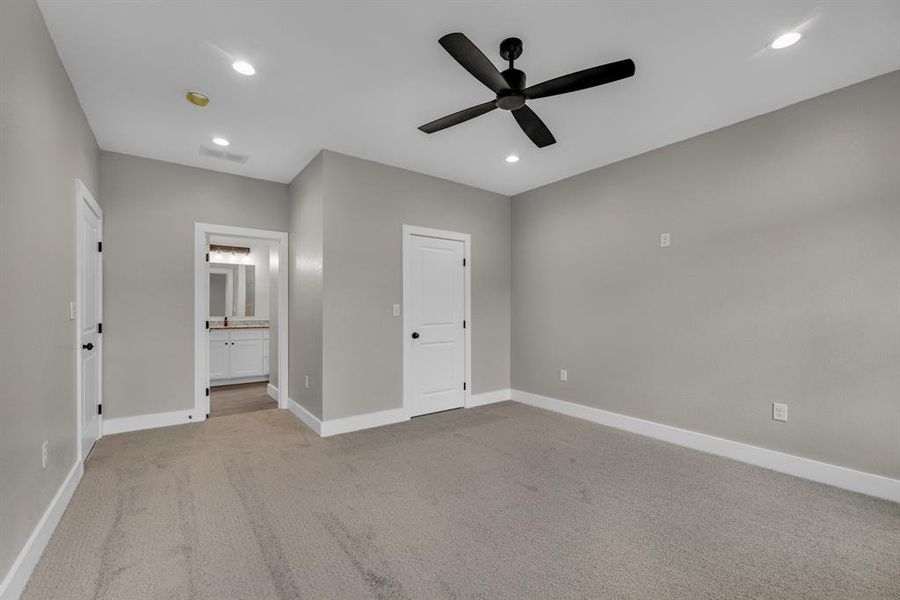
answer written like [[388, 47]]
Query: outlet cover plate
[[779, 411]]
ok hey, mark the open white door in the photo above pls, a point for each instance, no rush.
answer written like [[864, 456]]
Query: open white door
[[434, 285], [89, 317]]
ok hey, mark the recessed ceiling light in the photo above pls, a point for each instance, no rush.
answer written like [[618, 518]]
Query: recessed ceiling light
[[197, 99], [788, 39], [512, 158], [220, 141], [243, 67]]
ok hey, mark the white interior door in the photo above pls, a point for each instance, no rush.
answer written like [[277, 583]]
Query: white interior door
[[89, 319], [435, 335]]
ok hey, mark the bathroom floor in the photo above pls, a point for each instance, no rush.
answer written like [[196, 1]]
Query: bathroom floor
[[241, 398]]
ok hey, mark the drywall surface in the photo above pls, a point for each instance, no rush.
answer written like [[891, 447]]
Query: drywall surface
[[45, 144], [366, 204], [780, 284], [150, 208], [305, 287]]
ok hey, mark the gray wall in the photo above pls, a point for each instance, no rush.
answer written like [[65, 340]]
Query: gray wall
[[366, 204], [780, 285], [45, 144], [150, 208], [305, 287]]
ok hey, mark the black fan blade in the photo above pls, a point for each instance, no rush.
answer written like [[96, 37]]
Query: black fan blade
[[473, 60], [581, 80], [533, 127], [459, 117]]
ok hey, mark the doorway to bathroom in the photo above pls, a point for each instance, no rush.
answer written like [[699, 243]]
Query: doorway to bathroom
[[240, 315]]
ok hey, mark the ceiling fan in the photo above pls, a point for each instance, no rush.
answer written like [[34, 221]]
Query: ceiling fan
[[510, 85]]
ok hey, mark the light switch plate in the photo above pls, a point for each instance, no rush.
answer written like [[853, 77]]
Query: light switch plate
[[396, 310], [72, 311]]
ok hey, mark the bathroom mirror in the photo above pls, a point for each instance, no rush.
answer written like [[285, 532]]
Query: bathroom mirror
[[232, 290]]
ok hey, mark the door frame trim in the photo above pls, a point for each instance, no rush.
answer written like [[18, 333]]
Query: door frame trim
[[202, 232], [84, 200], [466, 239]]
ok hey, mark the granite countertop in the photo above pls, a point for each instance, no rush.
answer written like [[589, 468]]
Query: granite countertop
[[240, 324]]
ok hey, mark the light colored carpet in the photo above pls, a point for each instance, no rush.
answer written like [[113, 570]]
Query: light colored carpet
[[502, 501], [241, 398]]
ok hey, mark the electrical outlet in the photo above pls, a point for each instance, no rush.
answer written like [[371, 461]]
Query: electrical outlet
[[779, 411], [563, 375], [44, 455], [665, 240], [306, 381]]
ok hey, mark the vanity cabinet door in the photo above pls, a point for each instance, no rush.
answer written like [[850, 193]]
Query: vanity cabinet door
[[219, 353], [246, 357]]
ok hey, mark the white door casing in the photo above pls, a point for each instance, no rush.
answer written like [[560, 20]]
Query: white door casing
[[202, 335], [436, 324], [88, 316]]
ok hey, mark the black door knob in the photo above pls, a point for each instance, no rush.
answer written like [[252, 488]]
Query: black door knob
[[415, 335], [88, 346]]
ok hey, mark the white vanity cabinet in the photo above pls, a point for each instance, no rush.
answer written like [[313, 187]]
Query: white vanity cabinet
[[238, 354]]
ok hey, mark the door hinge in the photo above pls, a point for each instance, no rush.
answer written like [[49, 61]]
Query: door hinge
[[99, 327], [464, 323], [99, 246], [99, 409], [207, 391], [464, 385], [207, 257], [207, 324], [464, 262]]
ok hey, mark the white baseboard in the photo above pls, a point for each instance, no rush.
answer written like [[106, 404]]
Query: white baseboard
[[488, 397], [238, 380], [311, 420], [842, 477], [272, 391], [377, 419], [19, 573], [152, 421], [366, 421], [347, 424]]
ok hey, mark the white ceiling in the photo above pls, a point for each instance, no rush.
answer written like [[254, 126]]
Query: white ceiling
[[359, 77]]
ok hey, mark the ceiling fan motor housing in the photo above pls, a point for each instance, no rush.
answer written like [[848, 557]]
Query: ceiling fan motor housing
[[512, 98], [511, 48]]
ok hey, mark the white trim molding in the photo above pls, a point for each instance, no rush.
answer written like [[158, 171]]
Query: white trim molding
[[202, 232], [366, 421], [390, 416], [842, 477], [309, 419], [272, 391], [347, 424], [482, 398], [151, 421], [16, 579]]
